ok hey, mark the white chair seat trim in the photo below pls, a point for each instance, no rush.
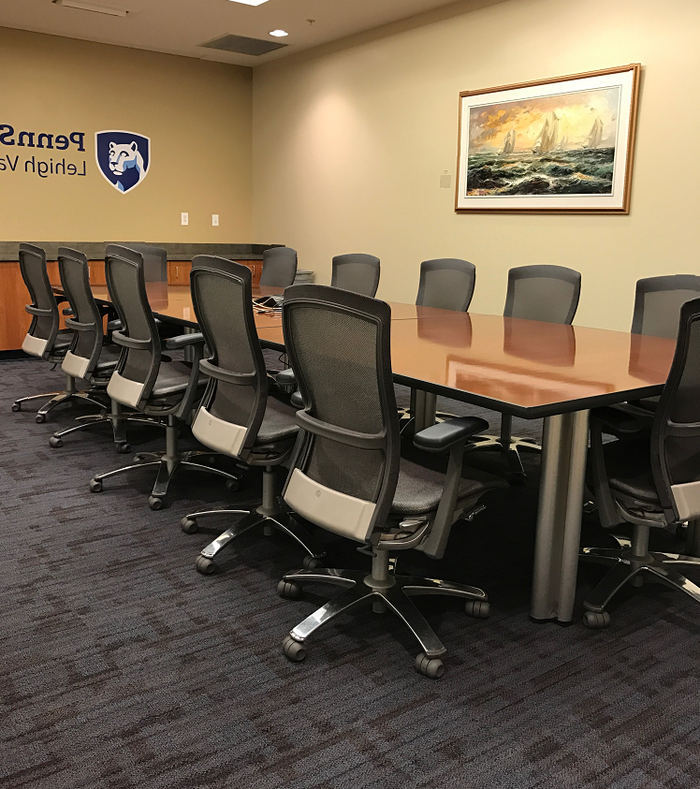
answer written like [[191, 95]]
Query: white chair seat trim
[[687, 500], [34, 346], [335, 511], [75, 366], [124, 390], [218, 434]]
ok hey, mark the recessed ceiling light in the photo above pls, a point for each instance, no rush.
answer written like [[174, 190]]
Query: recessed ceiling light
[[278, 33], [250, 2], [82, 5]]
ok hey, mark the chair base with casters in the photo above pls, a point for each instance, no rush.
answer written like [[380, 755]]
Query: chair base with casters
[[384, 590], [632, 562], [115, 418], [70, 393], [510, 447], [270, 514], [168, 463]]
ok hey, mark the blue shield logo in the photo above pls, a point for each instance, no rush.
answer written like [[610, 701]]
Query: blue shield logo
[[123, 158]]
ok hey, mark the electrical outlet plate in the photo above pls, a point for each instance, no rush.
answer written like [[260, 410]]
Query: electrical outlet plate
[[184, 218], [214, 220]]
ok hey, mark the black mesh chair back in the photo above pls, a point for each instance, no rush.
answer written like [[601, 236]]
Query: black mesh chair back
[[86, 322], [155, 261], [43, 329], [234, 403], [279, 267], [137, 369], [658, 301], [543, 293], [446, 283], [346, 467], [675, 444], [356, 272]]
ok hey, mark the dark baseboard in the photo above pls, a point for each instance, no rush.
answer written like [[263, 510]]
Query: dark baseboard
[[6, 356]]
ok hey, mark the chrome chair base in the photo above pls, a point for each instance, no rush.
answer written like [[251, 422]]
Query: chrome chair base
[[56, 398], [270, 514], [632, 563], [385, 591], [282, 521], [116, 418], [168, 463]]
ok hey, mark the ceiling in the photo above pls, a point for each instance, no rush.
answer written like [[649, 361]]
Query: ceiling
[[180, 27]]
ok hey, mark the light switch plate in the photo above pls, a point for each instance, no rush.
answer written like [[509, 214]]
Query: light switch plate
[[214, 220]]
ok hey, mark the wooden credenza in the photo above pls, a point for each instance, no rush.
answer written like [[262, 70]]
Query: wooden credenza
[[14, 320]]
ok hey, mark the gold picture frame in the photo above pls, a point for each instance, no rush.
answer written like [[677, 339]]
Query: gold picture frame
[[563, 144]]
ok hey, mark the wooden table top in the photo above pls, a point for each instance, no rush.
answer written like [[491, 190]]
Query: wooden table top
[[527, 368]]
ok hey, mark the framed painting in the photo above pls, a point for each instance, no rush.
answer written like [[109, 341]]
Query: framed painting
[[561, 144]]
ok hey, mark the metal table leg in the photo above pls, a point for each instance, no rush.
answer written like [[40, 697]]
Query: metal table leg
[[565, 443]]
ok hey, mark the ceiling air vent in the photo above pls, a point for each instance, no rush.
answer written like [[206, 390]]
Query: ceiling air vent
[[242, 45]]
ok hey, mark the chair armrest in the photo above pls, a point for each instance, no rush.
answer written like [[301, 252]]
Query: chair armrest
[[286, 377], [296, 399], [442, 436], [114, 325], [184, 340], [67, 311], [617, 422]]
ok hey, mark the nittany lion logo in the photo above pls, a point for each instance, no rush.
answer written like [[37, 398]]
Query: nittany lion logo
[[123, 158]]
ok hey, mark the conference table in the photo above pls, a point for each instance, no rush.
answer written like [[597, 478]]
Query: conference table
[[529, 369]]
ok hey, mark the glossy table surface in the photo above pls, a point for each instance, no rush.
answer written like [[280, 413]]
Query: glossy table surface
[[527, 368]]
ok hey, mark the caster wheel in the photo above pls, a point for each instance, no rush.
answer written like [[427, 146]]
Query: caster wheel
[[479, 609], [40, 419], [123, 449], [233, 484], [205, 566], [295, 651], [596, 620], [188, 525], [289, 590], [268, 530], [429, 667], [310, 562], [96, 485], [155, 503], [16, 407], [55, 441]]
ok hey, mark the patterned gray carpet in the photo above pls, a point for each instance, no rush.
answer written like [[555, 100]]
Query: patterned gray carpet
[[120, 666]]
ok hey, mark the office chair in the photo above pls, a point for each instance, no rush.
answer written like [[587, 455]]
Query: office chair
[[446, 283], [650, 479], [347, 476], [657, 306], [144, 380], [279, 267], [236, 417], [88, 358], [44, 339], [356, 272], [539, 293]]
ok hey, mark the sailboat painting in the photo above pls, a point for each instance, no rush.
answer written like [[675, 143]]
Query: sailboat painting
[[552, 145]]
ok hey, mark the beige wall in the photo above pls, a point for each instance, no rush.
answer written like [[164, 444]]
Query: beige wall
[[349, 145], [197, 114]]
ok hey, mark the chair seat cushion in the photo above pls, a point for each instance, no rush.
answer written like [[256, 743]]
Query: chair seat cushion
[[172, 379], [109, 356], [278, 423], [628, 468], [419, 489]]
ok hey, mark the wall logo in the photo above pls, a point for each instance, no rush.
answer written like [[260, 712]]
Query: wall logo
[[123, 158]]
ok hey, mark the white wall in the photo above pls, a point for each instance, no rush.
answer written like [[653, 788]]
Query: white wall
[[197, 114], [349, 144]]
